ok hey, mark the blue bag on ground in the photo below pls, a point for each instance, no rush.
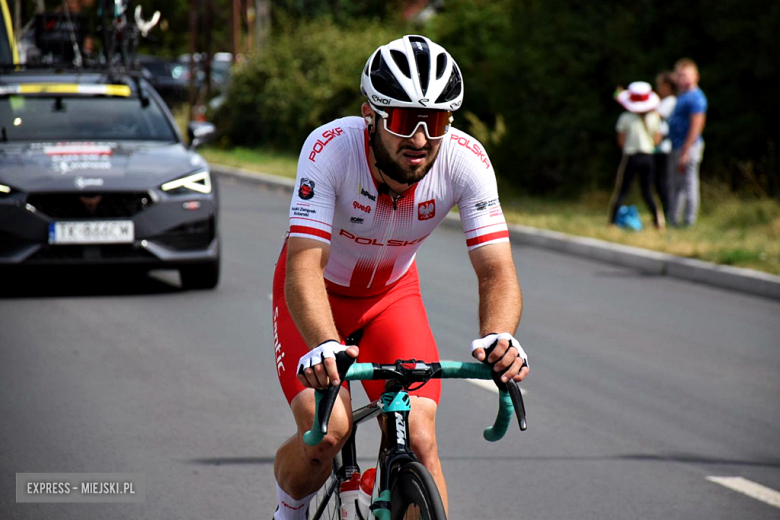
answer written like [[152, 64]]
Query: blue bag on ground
[[628, 217]]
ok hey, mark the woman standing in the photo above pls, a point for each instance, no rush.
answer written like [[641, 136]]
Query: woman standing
[[638, 134], [664, 84]]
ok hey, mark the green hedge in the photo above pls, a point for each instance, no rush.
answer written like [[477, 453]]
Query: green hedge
[[539, 78], [309, 75]]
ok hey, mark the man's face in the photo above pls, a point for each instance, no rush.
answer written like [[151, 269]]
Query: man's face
[[407, 159], [686, 78]]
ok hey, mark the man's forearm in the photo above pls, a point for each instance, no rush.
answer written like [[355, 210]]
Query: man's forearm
[[308, 303], [500, 300], [695, 130]]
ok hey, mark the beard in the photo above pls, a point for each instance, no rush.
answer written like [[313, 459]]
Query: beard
[[393, 168]]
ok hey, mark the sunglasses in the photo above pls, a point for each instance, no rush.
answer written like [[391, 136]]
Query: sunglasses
[[403, 122]]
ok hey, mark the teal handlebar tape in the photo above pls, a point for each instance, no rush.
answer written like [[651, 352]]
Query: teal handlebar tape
[[314, 436], [505, 412], [460, 370], [360, 371]]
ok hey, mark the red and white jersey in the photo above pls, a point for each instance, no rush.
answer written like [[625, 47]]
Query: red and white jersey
[[373, 237]]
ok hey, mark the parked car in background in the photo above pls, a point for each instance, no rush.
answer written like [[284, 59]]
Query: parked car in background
[[221, 65], [168, 77], [93, 171]]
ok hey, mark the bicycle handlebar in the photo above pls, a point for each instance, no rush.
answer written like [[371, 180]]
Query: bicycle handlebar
[[510, 398]]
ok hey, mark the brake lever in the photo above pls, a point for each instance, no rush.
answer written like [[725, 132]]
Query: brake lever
[[517, 402], [343, 362]]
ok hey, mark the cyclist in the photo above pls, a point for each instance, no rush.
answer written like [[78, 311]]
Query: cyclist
[[368, 192]]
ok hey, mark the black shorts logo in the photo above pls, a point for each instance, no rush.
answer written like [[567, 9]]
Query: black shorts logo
[[306, 191]]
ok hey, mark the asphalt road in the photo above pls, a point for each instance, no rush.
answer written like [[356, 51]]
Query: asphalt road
[[641, 387]]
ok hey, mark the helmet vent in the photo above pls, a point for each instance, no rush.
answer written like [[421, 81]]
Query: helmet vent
[[385, 82], [453, 88], [441, 65], [400, 59], [376, 62], [422, 57]]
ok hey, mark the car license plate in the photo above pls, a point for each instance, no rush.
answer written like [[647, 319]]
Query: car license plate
[[92, 232]]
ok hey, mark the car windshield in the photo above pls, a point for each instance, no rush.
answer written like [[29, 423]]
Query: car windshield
[[51, 118]]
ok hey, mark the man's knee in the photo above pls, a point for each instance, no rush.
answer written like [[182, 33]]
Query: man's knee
[[339, 427], [423, 441], [423, 429]]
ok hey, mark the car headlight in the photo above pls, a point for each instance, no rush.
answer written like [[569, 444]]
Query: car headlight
[[4, 190], [200, 182]]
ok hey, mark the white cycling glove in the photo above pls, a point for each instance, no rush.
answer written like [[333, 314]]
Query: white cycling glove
[[326, 349], [488, 340]]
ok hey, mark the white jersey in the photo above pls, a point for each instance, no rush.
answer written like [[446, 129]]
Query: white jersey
[[373, 237]]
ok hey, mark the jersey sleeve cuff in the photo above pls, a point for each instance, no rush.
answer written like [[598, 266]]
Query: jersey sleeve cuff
[[490, 237], [310, 232]]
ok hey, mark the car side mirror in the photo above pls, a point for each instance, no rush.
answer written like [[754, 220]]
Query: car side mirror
[[200, 133]]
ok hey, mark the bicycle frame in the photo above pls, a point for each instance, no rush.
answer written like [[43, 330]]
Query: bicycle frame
[[394, 405]]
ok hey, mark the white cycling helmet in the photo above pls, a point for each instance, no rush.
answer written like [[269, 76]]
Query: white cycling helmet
[[412, 72]]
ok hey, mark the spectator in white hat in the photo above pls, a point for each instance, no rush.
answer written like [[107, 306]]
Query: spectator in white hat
[[638, 133]]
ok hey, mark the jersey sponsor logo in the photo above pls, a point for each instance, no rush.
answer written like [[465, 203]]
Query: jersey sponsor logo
[[485, 204], [366, 241], [306, 190], [426, 210], [361, 207], [356, 220], [362, 191], [474, 147], [328, 135]]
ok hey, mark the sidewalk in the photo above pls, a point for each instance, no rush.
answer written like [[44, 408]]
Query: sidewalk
[[726, 277]]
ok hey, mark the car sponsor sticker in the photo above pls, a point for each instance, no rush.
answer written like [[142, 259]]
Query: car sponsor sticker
[[71, 157]]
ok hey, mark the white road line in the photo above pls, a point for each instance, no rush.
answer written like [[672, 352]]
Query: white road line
[[489, 385], [751, 489]]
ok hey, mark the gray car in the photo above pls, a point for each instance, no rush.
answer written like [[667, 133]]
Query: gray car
[[93, 171]]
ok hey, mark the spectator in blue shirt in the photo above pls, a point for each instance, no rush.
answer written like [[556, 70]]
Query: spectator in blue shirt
[[685, 127]]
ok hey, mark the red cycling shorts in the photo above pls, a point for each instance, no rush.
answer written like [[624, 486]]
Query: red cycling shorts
[[394, 326]]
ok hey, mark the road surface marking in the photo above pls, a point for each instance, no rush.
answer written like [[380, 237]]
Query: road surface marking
[[489, 385], [751, 489]]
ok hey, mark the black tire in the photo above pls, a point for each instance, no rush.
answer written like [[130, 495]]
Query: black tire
[[326, 504], [199, 276], [415, 495]]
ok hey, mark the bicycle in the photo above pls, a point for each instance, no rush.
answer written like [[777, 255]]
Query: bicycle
[[404, 488]]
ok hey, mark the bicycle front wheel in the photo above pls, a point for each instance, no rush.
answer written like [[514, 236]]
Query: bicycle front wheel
[[326, 504], [415, 496]]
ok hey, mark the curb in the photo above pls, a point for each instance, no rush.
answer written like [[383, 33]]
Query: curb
[[651, 262]]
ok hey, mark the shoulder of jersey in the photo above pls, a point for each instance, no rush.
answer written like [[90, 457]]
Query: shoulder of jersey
[[466, 150], [339, 127], [322, 139]]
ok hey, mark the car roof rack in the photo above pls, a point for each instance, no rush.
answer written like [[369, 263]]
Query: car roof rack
[[118, 58], [119, 37]]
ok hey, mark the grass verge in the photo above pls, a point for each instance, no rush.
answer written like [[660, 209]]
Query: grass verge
[[730, 230]]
